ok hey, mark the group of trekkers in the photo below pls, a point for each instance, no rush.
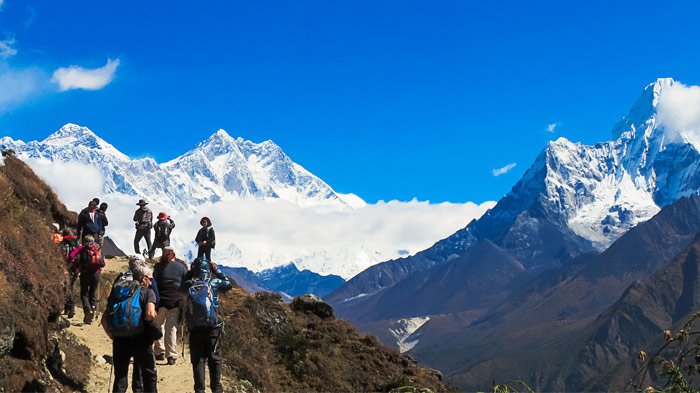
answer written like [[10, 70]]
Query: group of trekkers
[[148, 304]]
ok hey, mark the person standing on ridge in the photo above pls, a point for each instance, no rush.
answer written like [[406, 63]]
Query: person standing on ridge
[[169, 273], [89, 222], [206, 238], [162, 228], [202, 283], [102, 211], [143, 218]]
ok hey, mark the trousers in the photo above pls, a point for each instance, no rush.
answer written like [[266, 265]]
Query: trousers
[[205, 348]]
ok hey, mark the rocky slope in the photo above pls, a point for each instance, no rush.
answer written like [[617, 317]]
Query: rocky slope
[[32, 339]]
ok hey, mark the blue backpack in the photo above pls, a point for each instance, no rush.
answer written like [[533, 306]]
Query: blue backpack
[[200, 306], [125, 312]]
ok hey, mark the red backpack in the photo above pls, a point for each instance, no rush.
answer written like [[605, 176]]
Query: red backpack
[[91, 256]]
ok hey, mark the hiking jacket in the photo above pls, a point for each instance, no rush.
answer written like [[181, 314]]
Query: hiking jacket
[[163, 240], [103, 220], [202, 272], [169, 276], [143, 218], [206, 233], [89, 226]]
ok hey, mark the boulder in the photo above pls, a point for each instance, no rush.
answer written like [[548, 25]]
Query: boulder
[[313, 304]]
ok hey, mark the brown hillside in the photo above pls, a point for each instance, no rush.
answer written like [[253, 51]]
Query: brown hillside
[[278, 349], [31, 286]]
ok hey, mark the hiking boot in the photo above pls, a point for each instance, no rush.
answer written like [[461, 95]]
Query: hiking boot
[[88, 318], [171, 361], [160, 357], [71, 313]]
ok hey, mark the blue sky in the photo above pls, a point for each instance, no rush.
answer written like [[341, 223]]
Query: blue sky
[[388, 100]]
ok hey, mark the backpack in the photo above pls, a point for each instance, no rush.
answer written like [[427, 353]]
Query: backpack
[[200, 306], [125, 312], [91, 256], [67, 247], [162, 230]]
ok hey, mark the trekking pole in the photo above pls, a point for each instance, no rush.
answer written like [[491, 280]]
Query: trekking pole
[[109, 384]]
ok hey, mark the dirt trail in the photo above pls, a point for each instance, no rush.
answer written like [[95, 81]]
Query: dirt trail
[[176, 378]]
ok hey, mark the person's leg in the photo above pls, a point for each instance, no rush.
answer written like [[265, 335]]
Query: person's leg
[[214, 360], [136, 379], [171, 322], [143, 356], [207, 251], [200, 251], [121, 354], [159, 345], [70, 301], [94, 284], [137, 240], [85, 281], [147, 236], [198, 357]]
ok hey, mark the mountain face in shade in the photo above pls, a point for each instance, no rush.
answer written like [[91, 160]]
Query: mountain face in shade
[[574, 199], [286, 280], [569, 322]]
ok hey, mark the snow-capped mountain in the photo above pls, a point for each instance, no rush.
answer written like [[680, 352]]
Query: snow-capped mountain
[[219, 168], [573, 199]]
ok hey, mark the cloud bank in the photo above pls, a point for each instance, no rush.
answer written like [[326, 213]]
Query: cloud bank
[[678, 113], [76, 77], [502, 171], [259, 234]]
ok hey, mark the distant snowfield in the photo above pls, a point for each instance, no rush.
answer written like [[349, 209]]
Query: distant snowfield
[[263, 233]]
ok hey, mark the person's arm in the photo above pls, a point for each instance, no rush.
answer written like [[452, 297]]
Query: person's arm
[[224, 284], [74, 257], [151, 311], [104, 322], [104, 219], [212, 238], [136, 215], [172, 224]]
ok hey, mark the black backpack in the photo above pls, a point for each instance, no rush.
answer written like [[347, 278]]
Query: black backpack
[[162, 229]]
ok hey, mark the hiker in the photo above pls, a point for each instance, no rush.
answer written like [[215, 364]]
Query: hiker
[[202, 285], [127, 276], [169, 273], [56, 237], [143, 218], [89, 222], [206, 238], [102, 211], [131, 329], [89, 260], [162, 228], [68, 245]]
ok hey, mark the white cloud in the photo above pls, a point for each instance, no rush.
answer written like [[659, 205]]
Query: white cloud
[[19, 85], [7, 48], [551, 127], [678, 113], [503, 170], [76, 77], [264, 233]]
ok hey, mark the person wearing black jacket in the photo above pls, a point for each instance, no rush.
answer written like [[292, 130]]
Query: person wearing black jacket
[[89, 222], [169, 273], [205, 345], [102, 211], [139, 346], [143, 218], [206, 238]]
